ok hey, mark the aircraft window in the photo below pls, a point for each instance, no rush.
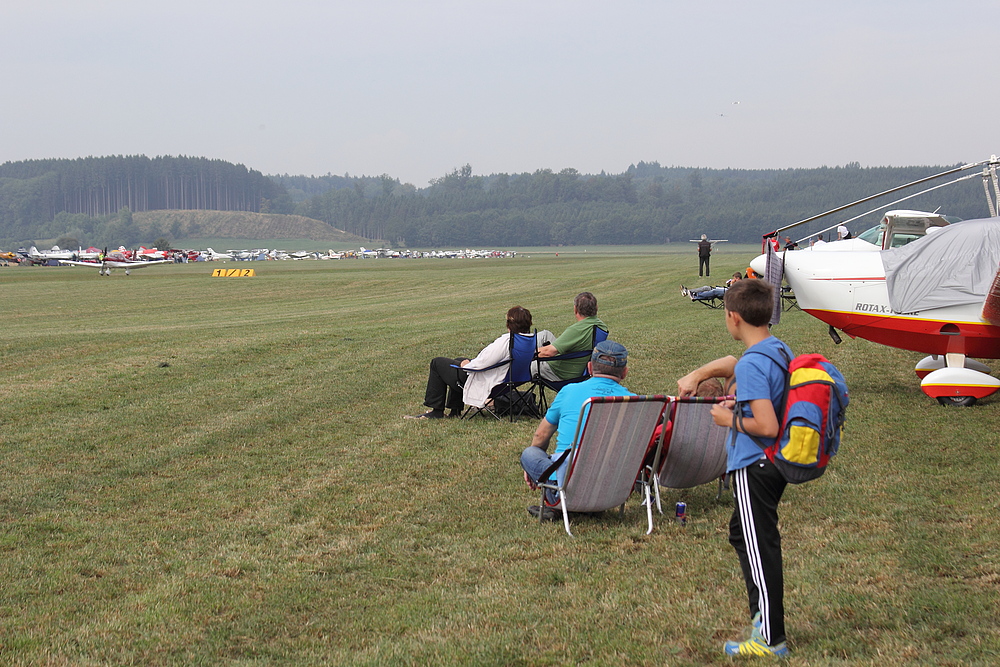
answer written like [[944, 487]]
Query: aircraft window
[[903, 239], [872, 235]]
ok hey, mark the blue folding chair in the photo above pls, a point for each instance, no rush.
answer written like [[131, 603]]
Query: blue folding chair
[[506, 397]]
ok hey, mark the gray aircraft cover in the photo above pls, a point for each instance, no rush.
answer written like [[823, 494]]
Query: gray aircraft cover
[[953, 266]]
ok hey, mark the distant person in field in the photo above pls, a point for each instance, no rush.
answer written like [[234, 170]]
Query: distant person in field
[[704, 255], [451, 388], [757, 484], [706, 292], [578, 337]]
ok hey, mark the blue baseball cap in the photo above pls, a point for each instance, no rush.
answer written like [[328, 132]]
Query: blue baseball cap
[[610, 353]]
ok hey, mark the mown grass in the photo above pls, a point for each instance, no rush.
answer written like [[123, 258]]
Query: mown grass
[[199, 470]]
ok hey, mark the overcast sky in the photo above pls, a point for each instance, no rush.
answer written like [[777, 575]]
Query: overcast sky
[[416, 89]]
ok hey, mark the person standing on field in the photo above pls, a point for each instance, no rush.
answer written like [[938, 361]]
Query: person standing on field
[[757, 483], [704, 253]]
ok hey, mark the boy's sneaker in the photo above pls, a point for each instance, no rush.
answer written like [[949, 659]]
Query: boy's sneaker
[[756, 646]]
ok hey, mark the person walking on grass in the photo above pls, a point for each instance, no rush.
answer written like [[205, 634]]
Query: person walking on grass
[[757, 484]]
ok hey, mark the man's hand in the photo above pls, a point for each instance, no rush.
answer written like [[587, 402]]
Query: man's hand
[[688, 384], [530, 482], [548, 350]]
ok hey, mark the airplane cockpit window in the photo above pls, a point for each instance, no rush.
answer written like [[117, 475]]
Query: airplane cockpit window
[[873, 235], [899, 239]]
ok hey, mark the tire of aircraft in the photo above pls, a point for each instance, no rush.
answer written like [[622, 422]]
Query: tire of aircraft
[[957, 401]]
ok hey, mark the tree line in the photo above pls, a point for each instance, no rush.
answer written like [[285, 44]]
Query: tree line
[[646, 204], [38, 197], [91, 199]]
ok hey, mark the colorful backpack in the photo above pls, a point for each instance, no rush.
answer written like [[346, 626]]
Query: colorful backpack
[[812, 416]]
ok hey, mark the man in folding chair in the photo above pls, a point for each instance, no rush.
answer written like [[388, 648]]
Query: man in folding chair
[[608, 367], [578, 337]]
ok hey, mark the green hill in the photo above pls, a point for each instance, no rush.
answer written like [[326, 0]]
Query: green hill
[[238, 225]]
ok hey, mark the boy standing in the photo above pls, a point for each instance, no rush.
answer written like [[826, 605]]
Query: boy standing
[[757, 484]]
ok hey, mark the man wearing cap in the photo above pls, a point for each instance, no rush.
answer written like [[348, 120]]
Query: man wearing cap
[[608, 366]]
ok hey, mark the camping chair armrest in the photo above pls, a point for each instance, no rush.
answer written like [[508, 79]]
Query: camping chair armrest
[[543, 480], [567, 355], [480, 370]]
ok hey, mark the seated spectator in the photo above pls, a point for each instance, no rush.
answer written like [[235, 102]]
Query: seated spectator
[[710, 388], [450, 387], [608, 366], [703, 293], [577, 337], [736, 276]]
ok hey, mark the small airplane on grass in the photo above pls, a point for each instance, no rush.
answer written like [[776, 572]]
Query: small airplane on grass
[[117, 259], [938, 294]]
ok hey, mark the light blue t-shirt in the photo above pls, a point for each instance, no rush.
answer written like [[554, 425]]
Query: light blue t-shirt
[[757, 376], [564, 413]]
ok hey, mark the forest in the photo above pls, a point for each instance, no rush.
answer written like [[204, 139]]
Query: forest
[[91, 200]]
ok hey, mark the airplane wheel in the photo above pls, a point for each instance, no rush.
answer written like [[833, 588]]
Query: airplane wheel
[[957, 401]]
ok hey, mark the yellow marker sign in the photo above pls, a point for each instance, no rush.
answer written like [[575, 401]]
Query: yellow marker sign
[[233, 273]]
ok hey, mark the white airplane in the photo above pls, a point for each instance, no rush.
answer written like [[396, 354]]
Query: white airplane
[[938, 294], [115, 260], [45, 255], [213, 255]]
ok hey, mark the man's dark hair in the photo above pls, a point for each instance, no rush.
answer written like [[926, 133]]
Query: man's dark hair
[[519, 320], [585, 303], [753, 300], [604, 369]]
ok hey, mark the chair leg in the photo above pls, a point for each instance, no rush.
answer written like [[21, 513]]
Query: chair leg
[[649, 508], [565, 513], [656, 491]]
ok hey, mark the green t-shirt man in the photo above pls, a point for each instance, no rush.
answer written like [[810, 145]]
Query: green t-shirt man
[[577, 337]]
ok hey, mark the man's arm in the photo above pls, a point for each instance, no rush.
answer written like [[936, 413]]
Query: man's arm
[[720, 368], [548, 350], [543, 434]]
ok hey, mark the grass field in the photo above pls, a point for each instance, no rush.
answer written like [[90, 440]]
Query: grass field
[[209, 471]]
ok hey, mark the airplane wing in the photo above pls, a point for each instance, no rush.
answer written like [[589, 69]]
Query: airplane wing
[[126, 264], [94, 265]]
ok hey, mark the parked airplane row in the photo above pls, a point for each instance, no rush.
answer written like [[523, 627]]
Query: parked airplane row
[[142, 257]]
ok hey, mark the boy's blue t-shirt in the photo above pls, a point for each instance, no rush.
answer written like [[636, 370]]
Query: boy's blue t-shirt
[[757, 376]]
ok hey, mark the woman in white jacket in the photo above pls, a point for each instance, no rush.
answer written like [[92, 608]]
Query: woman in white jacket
[[445, 382]]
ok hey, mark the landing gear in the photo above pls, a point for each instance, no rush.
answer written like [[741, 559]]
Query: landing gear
[[957, 401], [955, 380]]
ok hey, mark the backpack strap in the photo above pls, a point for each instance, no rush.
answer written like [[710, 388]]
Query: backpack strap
[[783, 364]]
